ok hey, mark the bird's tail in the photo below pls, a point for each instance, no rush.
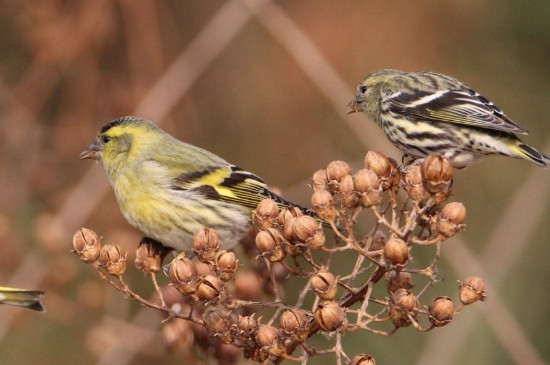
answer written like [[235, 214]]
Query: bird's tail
[[30, 299], [529, 153]]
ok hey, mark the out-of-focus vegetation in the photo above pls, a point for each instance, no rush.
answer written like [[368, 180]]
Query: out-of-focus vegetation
[[265, 85]]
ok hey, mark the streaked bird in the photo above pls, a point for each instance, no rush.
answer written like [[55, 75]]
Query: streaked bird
[[425, 113]]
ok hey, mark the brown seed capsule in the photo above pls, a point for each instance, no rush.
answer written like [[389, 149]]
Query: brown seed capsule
[[183, 274], [442, 311], [323, 205], [287, 213], [414, 184], [348, 195], [437, 172], [383, 167], [267, 334], [402, 304], [336, 170], [209, 288], [363, 359], [471, 290], [248, 285], [295, 323], [320, 180], [225, 264], [205, 244], [324, 284], [270, 243], [329, 315], [113, 259], [451, 219], [247, 325], [218, 325], [307, 230], [398, 280], [368, 188], [86, 245], [178, 335], [265, 215], [396, 251], [149, 255]]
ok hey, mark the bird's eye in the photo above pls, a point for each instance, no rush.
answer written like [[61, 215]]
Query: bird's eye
[[363, 89], [105, 139]]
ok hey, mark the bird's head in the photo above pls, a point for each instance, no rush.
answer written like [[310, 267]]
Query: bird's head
[[121, 141], [367, 97]]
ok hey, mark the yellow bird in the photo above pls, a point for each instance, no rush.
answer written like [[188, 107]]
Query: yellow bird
[[30, 299]]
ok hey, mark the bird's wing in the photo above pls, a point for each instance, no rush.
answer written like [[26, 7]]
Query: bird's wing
[[460, 106]]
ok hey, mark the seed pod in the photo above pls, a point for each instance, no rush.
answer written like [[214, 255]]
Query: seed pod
[[225, 264], [205, 244], [270, 243], [324, 284], [471, 290], [451, 219], [270, 340], [442, 311], [396, 251], [209, 288], [336, 170], [329, 315], [363, 359], [306, 230], [384, 167], [295, 323], [437, 172], [348, 195], [183, 274], [414, 184], [113, 259], [323, 205], [149, 255], [402, 304], [320, 180], [248, 285], [368, 188], [265, 215], [86, 245], [398, 280], [218, 325]]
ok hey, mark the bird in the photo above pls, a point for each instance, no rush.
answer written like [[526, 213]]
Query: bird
[[425, 113], [30, 299], [171, 189]]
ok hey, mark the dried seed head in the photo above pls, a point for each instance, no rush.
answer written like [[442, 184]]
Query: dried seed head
[[265, 215], [336, 170], [113, 259], [329, 315], [248, 285], [86, 245], [396, 251], [451, 219], [295, 323], [205, 244], [442, 311], [270, 340], [324, 284], [270, 243], [305, 230], [402, 304], [363, 359], [149, 255], [218, 325], [178, 335], [320, 180], [323, 205], [225, 264], [287, 213], [437, 172], [471, 290], [414, 185], [348, 195], [398, 280], [209, 288], [368, 187], [384, 167], [247, 325], [183, 274]]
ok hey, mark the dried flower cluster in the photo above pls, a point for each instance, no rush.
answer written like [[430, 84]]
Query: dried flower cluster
[[234, 307]]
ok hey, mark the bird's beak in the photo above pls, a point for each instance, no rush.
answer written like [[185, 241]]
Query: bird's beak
[[352, 106], [92, 152]]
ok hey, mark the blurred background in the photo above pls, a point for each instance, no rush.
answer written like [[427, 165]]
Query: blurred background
[[263, 84]]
